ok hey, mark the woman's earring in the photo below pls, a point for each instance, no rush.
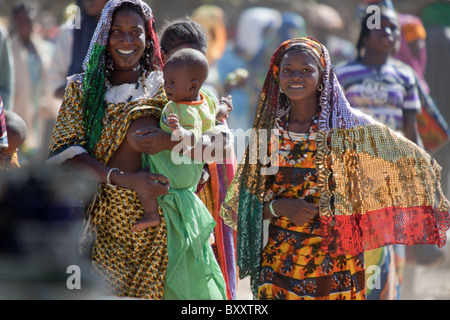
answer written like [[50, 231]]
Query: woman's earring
[[281, 90], [320, 87]]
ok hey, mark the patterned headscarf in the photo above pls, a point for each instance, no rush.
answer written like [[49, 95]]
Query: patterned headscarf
[[94, 65], [376, 176]]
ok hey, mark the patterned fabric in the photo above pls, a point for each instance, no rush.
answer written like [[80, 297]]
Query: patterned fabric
[[131, 263], [127, 261], [383, 92], [221, 175], [380, 189], [294, 266]]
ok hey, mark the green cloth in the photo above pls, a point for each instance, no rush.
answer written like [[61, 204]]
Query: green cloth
[[193, 272], [437, 13]]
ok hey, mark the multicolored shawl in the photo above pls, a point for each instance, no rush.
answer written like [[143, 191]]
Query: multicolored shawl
[[380, 189], [95, 67]]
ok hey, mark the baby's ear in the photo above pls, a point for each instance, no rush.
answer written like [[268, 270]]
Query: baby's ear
[[195, 85]]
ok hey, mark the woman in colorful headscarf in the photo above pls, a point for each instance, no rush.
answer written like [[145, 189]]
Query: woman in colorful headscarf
[[331, 180], [120, 88]]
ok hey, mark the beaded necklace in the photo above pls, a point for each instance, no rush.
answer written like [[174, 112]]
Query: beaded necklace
[[296, 150]]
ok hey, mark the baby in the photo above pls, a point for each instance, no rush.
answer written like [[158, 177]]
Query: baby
[[187, 115]]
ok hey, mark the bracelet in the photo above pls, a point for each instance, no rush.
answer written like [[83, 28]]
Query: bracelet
[[108, 176], [271, 209]]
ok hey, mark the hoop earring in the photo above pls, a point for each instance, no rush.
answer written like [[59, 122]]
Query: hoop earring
[[320, 87]]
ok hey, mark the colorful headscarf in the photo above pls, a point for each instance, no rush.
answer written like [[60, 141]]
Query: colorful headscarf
[[95, 67], [379, 190]]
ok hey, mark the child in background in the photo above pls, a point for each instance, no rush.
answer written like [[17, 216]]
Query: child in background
[[187, 115], [17, 132]]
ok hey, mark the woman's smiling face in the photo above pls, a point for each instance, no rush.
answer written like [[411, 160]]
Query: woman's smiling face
[[126, 43], [299, 75]]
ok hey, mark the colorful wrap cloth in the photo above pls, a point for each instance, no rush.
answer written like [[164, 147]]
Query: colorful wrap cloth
[[380, 189]]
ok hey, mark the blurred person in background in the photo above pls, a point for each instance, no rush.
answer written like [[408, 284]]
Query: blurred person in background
[[212, 19], [31, 55], [255, 28], [72, 45], [6, 70], [324, 23]]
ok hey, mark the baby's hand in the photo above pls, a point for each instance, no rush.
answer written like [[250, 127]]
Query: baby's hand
[[172, 121]]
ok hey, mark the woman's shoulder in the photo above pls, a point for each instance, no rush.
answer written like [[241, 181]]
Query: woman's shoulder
[[75, 80]]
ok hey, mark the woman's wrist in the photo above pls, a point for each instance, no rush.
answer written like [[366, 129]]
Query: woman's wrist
[[116, 177], [272, 210]]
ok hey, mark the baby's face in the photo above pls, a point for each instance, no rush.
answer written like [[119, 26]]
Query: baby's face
[[177, 83]]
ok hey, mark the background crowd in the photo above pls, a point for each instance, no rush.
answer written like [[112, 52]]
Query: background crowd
[[39, 48]]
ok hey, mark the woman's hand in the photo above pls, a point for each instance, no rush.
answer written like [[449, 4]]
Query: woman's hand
[[152, 140], [225, 107], [147, 185], [298, 211]]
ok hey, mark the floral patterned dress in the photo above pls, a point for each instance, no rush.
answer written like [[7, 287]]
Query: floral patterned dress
[[294, 266]]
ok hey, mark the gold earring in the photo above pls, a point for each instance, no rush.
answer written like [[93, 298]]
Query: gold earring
[[320, 87]]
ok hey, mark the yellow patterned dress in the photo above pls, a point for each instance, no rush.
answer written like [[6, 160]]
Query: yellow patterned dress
[[131, 264], [294, 266]]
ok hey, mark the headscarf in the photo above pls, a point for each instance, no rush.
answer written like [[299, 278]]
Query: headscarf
[[356, 204], [95, 67]]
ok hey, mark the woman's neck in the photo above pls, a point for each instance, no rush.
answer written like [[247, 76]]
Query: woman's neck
[[303, 112], [118, 77]]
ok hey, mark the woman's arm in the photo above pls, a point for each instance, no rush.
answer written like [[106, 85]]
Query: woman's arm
[[298, 211], [152, 140], [144, 183]]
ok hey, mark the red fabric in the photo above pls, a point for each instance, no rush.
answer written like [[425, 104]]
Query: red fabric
[[353, 234]]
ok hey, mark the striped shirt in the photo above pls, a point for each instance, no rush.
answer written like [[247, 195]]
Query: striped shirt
[[384, 92]]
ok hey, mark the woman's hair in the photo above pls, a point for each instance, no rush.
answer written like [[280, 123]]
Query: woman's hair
[[364, 33], [181, 32]]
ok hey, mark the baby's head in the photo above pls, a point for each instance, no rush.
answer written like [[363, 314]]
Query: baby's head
[[17, 133], [184, 74]]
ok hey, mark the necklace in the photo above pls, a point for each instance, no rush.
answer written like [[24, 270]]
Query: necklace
[[138, 67], [297, 151], [134, 90]]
